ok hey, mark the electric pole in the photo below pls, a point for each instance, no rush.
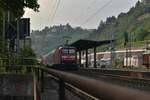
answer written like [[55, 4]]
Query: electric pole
[[3, 36]]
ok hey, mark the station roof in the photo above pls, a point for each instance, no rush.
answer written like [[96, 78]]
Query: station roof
[[88, 44]]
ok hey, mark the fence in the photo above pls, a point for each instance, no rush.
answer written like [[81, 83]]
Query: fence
[[96, 88]]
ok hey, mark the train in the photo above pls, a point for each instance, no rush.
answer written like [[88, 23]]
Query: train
[[62, 58]]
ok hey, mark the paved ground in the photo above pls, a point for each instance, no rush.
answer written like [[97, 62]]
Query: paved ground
[[51, 91], [16, 87]]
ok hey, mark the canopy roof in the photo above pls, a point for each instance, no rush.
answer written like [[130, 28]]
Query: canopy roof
[[87, 44]]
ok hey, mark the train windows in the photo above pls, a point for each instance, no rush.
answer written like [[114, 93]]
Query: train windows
[[71, 51], [65, 51]]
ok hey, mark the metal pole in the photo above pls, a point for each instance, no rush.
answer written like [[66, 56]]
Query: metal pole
[[76, 57], [111, 47], [80, 58], [97, 88], [17, 48], [4, 26], [130, 51], [86, 58], [8, 16], [61, 90], [111, 51], [42, 81], [95, 57], [126, 55], [17, 40], [38, 73], [8, 22]]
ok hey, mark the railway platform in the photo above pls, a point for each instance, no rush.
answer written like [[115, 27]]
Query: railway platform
[[54, 86], [17, 87], [49, 84], [51, 90]]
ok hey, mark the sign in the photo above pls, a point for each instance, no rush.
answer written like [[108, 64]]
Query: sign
[[24, 27]]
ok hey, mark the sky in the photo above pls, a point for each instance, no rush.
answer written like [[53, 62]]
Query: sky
[[84, 13]]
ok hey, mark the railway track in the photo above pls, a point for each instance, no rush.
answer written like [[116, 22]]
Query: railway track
[[126, 81]]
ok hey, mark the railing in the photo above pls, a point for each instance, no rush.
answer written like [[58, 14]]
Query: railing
[[96, 88]]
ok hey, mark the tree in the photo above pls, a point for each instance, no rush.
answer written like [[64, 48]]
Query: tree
[[101, 26], [17, 6], [110, 20], [27, 55], [117, 63]]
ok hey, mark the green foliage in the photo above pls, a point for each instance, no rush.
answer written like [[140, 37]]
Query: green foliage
[[17, 6], [136, 22], [139, 34], [49, 38], [27, 56], [117, 63]]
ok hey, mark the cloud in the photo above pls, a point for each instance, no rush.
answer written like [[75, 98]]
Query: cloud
[[76, 12]]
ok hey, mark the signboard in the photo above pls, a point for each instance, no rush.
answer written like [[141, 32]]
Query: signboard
[[24, 27]]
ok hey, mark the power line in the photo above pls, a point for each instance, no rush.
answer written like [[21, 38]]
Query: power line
[[87, 8], [55, 11], [99, 10], [53, 6]]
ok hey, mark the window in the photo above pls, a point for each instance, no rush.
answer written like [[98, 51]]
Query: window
[[71, 51], [65, 51], [68, 51]]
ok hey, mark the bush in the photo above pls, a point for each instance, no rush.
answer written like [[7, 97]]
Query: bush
[[117, 63]]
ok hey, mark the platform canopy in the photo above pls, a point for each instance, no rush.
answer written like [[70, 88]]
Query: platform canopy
[[88, 44]]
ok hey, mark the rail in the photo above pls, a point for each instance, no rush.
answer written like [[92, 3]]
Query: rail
[[96, 88], [122, 80]]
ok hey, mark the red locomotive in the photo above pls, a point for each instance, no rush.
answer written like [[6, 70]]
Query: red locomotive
[[63, 57]]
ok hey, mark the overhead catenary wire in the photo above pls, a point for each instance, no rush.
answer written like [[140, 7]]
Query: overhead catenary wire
[[87, 8], [51, 10], [55, 6], [52, 5], [55, 11], [98, 11]]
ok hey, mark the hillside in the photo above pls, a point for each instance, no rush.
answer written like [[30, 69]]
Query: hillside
[[136, 22], [49, 38]]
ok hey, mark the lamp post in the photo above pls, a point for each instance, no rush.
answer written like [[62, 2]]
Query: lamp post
[[111, 46]]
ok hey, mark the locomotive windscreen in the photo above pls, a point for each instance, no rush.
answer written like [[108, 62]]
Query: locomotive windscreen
[[71, 51], [68, 54], [68, 51], [65, 51]]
